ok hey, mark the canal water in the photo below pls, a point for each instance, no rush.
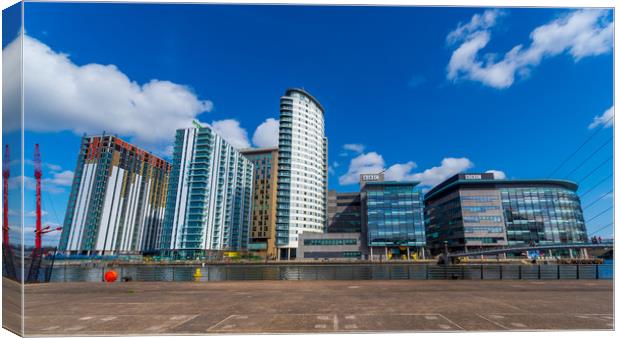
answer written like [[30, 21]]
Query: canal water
[[71, 273]]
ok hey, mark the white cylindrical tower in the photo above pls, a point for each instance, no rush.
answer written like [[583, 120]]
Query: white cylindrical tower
[[302, 169]]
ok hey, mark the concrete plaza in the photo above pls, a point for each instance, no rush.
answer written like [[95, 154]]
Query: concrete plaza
[[151, 308]]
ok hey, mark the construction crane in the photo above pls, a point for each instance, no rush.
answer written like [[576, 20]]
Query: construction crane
[[6, 173], [39, 231], [37, 175]]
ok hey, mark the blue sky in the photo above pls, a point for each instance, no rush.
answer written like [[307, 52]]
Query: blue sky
[[421, 92]]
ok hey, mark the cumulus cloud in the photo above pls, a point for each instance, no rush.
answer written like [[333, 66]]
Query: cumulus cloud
[[497, 174], [580, 33], [231, 131], [354, 147], [63, 96], [606, 120], [372, 163], [449, 166], [11, 90], [55, 184], [267, 133], [63, 178], [399, 171]]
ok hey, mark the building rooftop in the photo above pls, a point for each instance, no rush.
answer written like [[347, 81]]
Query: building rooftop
[[257, 150], [303, 91], [413, 183], [486, 180]]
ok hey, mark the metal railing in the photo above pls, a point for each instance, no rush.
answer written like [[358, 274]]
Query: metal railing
[[70, 273]]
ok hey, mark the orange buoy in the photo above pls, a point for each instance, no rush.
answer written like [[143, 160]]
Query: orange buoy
[[110, 276]]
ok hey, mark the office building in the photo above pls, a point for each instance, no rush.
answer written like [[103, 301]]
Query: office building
[[302, 170], [476, 211], [332, 246], [344, 211], [263, 227], [393, 218], [209, 202], [117, 199]]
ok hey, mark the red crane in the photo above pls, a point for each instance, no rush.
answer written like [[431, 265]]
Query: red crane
[[39, 232], [5, 196], [37, 176]]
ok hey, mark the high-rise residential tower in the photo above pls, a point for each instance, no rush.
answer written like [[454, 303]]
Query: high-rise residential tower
[[302, 170], [263, 229], [210, 197], [117, 200]]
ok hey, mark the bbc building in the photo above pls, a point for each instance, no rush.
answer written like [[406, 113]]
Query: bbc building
[[393, 218], [476, 211]]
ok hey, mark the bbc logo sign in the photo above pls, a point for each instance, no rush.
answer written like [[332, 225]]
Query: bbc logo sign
[[368, 177]]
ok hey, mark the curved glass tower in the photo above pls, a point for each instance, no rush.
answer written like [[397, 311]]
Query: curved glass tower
[[302, 170]]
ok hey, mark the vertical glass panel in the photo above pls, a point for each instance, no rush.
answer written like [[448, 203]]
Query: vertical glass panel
[[12, 167]]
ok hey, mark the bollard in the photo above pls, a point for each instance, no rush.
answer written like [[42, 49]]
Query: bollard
[[577, 271], [197, 275], [596, 271], [501, 272]]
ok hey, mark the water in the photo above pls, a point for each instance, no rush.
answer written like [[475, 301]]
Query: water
[[69, 273]]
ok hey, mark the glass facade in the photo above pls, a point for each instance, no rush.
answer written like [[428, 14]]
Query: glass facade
[[209, 202], [331, 241], [344, 212], [543, 215], [481, 212], [394, 214]]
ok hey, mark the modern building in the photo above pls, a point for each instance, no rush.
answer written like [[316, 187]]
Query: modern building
[[332, 246], [477, 211], [117, 199], [302, 170], [344, 211], [209, 202], [393, 217], [265, 188]]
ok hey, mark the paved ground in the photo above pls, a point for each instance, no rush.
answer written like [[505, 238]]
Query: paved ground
[[65, 309]]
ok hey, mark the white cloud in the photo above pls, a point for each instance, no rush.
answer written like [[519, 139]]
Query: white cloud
[[231, 131], [479, 21], [354, 147], [497, 174], [580, 33], [63, 178], [11, 91], [370, 163], [607, 119], [33, 213], [449, 166], [267, 133], [399, 172], [91, 98], [54, 185]]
